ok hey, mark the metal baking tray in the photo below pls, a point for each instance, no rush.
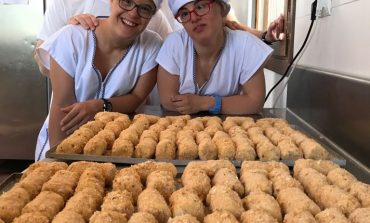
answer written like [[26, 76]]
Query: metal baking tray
[[9, 182]]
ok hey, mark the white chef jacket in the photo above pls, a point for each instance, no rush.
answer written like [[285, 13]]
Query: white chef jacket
[[242, 55], [73, 48]]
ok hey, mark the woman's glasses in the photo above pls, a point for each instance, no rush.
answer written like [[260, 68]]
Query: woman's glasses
[[200, 9], [145, 11]]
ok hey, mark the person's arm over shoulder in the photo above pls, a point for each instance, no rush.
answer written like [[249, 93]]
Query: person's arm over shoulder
[[275, 31]]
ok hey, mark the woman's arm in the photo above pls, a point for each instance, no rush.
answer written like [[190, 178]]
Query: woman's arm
[[168, 87], [79, 113], [63, 95], [130, 102], [275, 31], [250, 102], [252, 99]]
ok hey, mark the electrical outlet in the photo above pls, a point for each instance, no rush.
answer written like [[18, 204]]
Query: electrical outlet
[[323, 8]]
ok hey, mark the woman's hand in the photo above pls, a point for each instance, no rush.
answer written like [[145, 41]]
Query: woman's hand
[[79, 113], [275, 32], [87, 21], [190, 103]]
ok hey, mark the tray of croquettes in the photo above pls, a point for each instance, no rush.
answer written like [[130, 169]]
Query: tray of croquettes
[[206, 191], [179, 139]]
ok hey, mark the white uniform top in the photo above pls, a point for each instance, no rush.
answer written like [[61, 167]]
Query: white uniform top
[[242, 55], [60, 11], [73, 48]]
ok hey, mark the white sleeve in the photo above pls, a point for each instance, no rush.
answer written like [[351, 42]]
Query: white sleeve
[[168, 54], [64, 47], [160, 24], [255, 55], [56, 16], [150, 45]]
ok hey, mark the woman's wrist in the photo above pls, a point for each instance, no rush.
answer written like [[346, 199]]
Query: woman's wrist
[[97, 105], [206, 102], [217, 103]]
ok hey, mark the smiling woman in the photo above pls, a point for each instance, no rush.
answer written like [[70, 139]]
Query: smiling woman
[[207, 67], [92, 70]]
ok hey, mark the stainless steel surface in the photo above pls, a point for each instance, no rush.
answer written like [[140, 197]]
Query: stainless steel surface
[[9, 182], [23, 90], [339, 109]]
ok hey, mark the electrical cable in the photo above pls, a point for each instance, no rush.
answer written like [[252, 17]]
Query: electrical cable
[[293, 68], [313, 18]]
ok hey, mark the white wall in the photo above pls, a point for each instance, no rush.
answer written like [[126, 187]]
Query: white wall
[[242, 9], [277, 99], [340, 42]]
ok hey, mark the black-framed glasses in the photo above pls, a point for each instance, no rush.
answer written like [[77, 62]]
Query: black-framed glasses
[[201, 8], [145, 11]]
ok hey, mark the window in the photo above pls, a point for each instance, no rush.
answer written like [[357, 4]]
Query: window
[[259, 14]]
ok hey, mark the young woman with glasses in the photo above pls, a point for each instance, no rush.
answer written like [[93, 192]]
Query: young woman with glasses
[[112, 68], [59, 13], [207, 67]]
